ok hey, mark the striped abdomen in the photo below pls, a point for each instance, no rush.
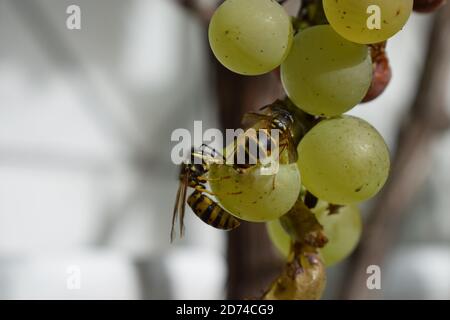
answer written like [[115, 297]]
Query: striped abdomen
[[210, 212]]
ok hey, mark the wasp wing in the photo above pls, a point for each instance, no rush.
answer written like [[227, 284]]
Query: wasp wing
[[291, 149], [179, 208], [253, 119]]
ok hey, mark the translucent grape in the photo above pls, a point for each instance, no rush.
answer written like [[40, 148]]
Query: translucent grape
[[280, 238], [324, 74], [343, 160], [250, 37], [342, 229], [255, 197], [367, 21]]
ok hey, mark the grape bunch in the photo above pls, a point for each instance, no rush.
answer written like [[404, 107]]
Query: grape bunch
[[331, 57]]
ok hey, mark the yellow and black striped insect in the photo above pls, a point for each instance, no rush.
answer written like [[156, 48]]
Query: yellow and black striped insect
[[281, 116], [209, 211]]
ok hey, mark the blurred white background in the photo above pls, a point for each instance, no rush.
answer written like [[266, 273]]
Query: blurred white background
[[85, 173]]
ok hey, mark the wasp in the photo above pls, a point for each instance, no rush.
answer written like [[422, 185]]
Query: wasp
[[193, 175], [282, 116]]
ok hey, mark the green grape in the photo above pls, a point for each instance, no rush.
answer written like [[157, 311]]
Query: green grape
[[250, 37], [343, 160], [280, 238], [342, 229], [367, 21], [324, 74], [253, 196]]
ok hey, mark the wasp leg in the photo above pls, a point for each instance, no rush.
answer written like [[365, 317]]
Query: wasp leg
[[205, 158], [251, 118], [213, 152], [202, 178], [203, 190], [241, 170]]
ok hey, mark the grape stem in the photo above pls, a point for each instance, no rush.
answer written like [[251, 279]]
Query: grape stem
[[310, 14], [302, 226], [426, 121], [307, 236], [302, 278]]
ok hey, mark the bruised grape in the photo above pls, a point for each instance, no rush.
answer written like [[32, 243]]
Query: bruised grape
[[426, 6], [382, 73]]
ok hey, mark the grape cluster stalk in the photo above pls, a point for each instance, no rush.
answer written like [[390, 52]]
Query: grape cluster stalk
[[328, 60]]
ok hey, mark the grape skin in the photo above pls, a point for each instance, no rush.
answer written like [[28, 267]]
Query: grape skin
[[343, 160], [279, 237], [343, 231], [427, 6], [349, 18], [325, 74], [251, 196], [250, 37]]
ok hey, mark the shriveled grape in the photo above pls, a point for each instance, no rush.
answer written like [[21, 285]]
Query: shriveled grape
[[426, 6], [304, 278]]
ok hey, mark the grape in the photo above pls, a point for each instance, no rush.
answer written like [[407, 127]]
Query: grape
[[279, 237], [343, 160], [250, 37], [382, 73], [324, 74], [367, 21], [342, 229], [425, 6], [252, 196]]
